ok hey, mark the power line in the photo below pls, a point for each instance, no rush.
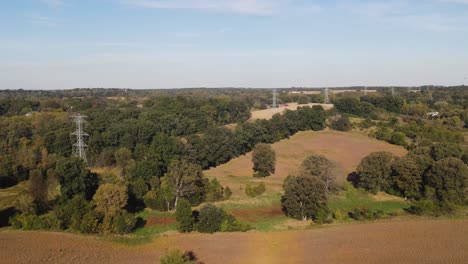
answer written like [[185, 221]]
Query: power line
[[80, 145]]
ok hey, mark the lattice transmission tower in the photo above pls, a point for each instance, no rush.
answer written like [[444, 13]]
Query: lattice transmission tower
[[275, 104], [79, 146], [327, 96]]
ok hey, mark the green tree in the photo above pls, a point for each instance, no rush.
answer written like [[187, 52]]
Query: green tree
[[227, 193], [445, 150], [110, 198], [184, 216], [38, 188], [75, 178], [374, 172], [449, 178], [407, 176], [183, 179], [214, 191], [122, 157], [264, 160], [210, 219], [342, 123], [321, 167], [304, 197]]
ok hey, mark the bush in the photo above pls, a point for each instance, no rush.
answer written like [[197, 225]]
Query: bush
[[214, 191], [227, 193], [232, 224], [118, 223], [90, 223], [184, 216], [254, 191], [34, 222], [177, 257], [365, 214], [342, 123], [210, 219]]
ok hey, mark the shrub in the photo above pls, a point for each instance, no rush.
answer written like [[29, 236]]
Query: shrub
[[227, 193], [184, 216], [214, 191], [210, 219], [232, 224], [264, 160], [118, 223], [342, 123], [90, 223], [254, 191], [110, 197], [177, 257], [365, 214]]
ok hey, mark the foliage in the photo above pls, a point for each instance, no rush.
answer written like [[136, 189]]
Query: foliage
[[210, 219], [255, 190], [264, 160], [75, 178], [184, 216], [110, 198], [177, 257], [365, 214], [374, 172], [449, 178], [320, 167], [227, 193], [304, 197], [214, 191], [342, 123], [232, 224], [118, 222], [407, 176]]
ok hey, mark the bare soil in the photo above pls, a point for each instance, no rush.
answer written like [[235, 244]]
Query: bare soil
[[410, 241]]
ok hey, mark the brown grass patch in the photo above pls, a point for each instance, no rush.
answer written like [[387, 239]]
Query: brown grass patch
[[258, 213], [160, 221], [268, 113], [343, 148]]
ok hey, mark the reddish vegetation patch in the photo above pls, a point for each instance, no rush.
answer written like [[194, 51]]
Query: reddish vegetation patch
[[253, 214], [160, 221]]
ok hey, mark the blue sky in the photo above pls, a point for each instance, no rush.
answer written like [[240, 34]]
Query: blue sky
[[61, 44]]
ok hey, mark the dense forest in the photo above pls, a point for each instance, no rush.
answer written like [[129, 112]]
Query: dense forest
[[163, 139]]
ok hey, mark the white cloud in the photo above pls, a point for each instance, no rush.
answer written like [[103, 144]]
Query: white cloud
[[253, 7], [53, 3], [40, 20]]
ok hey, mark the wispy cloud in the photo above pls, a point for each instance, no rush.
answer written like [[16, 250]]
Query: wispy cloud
[[53, 3], [406, 14], [253, 7], [40, 20]]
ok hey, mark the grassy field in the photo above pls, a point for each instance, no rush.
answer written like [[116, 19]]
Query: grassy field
[[8, 196], [269, 113], [345, 149]]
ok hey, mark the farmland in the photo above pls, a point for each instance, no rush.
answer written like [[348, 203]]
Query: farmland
[[270, 112], [406, 241]]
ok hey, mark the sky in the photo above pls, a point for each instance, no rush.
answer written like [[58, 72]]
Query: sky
[[63, 44]]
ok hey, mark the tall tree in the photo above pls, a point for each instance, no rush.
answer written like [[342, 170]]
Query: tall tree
[[75, 178], [321, 167], [374, 172], [264, 160], [407, 176], [183, 178], [449, 178], [184, 216], [304, 197]]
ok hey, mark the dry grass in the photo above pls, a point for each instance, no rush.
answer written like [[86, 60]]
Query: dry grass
[[268, 113], [345, 149], [407, 241], [8, 196]]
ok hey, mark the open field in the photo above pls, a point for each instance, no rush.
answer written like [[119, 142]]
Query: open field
[[269, 113], [8, 196], [406, 241], [332, 91], [343, 148]]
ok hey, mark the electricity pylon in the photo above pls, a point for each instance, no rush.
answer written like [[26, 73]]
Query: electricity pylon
[[274, 105], [327, 97], [79, 133]]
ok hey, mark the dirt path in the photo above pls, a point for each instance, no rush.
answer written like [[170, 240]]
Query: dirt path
[[415, 241]]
